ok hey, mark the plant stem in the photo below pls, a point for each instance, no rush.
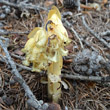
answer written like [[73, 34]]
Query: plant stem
[[54, 80]]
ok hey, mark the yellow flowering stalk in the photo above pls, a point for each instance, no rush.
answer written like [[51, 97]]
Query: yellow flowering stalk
[[45, 49]]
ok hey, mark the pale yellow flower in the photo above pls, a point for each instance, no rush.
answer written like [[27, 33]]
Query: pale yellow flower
[[45, 49]]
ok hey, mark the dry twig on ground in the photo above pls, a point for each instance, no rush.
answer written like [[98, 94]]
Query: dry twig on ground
[[69, 26], [17, 75], [23, 5], [94, 34], [70, 76], [107, 33], [11, 32], [86, 78]]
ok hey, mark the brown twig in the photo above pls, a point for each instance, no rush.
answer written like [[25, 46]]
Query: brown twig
[[86, 7]]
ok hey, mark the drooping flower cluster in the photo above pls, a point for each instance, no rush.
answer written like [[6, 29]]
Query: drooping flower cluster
[[46, 44]]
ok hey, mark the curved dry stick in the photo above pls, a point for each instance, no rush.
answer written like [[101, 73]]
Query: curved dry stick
[[17, 75], [69, 26]]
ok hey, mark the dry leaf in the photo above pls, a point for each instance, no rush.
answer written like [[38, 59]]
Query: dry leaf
[[91, 84], [70, 48]]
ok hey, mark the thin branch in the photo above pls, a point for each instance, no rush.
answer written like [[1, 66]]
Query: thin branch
[[79, 8], [3, 59], [89, 44], [87, 78], [69, 26], [17, 56], [106, 33], [15, 72], [11, 32], [22, 5], [94, 34], [23, 67], [74, 77], [37, 11], [70, 76]]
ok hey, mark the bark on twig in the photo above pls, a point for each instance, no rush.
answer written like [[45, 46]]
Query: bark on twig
[[3, 59], [73, 77], [79, 8], [17, 56], [11, 32], [87, 78], [23, 5], [69, 26], [106, 33], [15, 72], [89, 45], [94, 34]]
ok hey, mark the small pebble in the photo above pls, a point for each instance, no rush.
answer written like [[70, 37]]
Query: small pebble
[[2, 16], [7, 10]]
